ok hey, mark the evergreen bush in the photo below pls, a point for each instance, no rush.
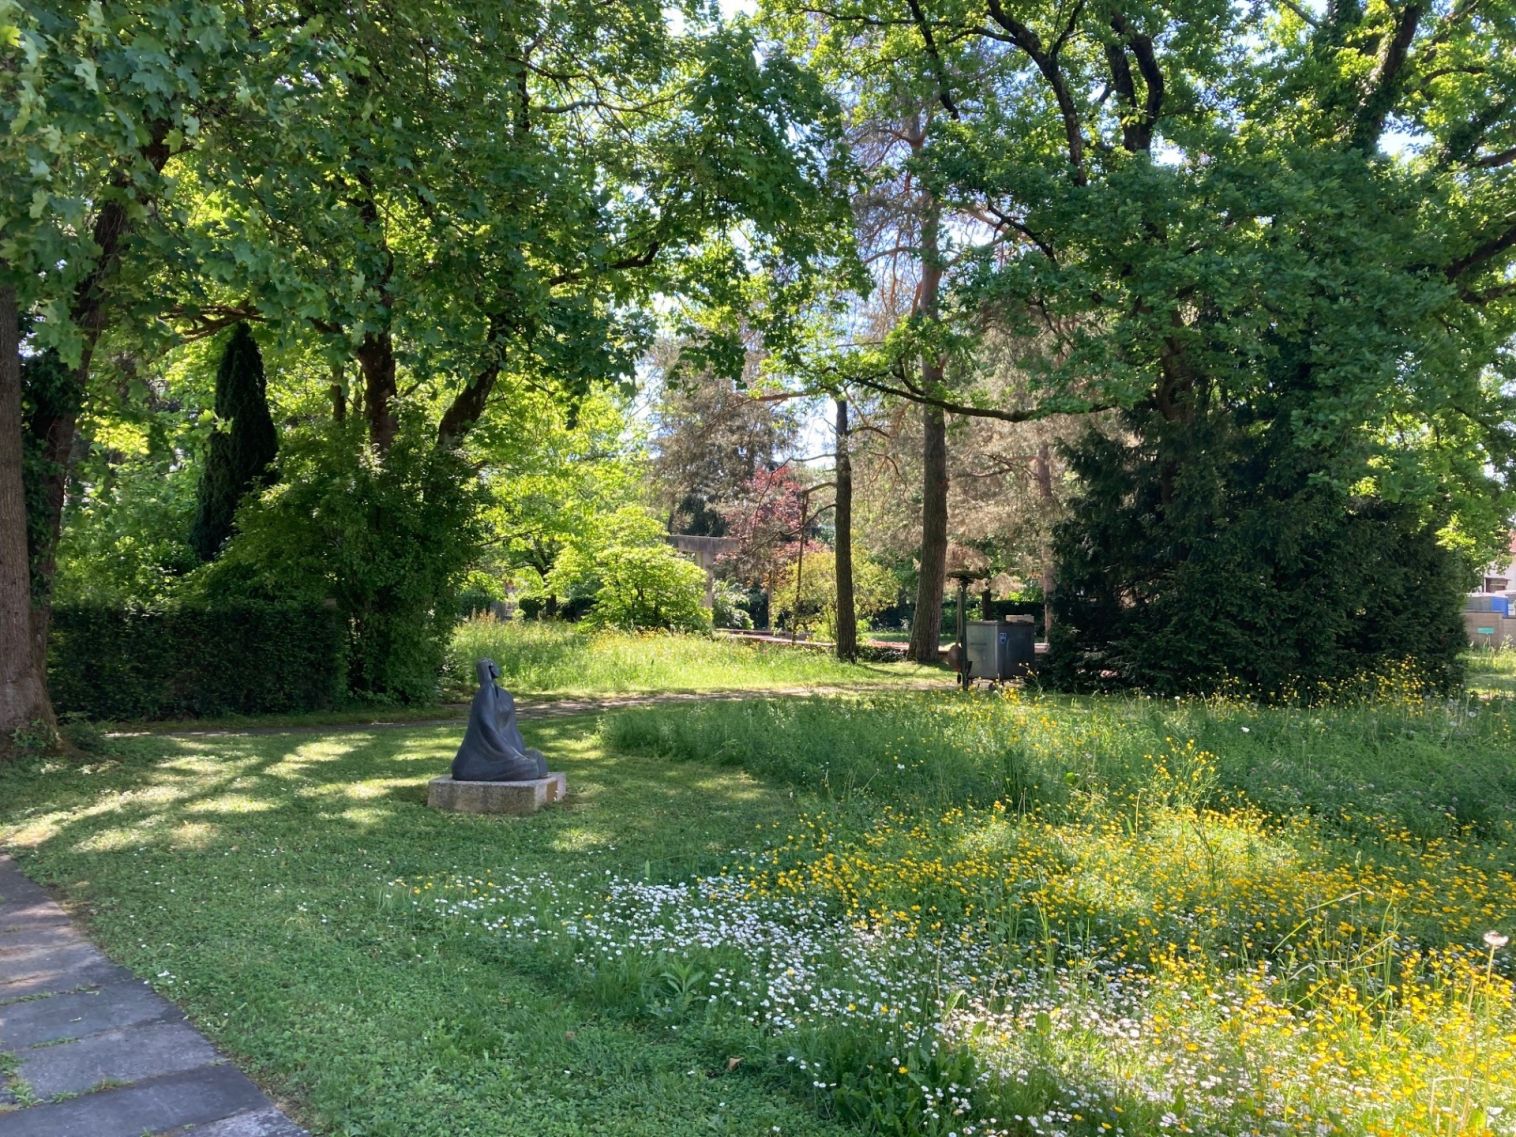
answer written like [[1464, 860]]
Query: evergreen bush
[[241, 450], [191, 661], [1208, 557], [388, 542]]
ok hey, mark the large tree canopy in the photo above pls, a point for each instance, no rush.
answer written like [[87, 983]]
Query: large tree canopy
[[1285, 229], [449, 205]]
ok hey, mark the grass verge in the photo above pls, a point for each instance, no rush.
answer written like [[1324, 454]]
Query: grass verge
[[249, 878], [567, 660]]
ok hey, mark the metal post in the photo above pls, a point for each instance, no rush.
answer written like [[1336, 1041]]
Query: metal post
[[963, 629]]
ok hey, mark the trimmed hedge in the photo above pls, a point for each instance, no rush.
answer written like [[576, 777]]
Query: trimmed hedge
[[195, 661]]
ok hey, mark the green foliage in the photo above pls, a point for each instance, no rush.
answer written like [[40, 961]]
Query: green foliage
[[386, 542], [93, 101], [47, 390], [1288, 233], [579, 571], [650, 586], [621, 572], [729, 606], [125, 544], [191, 660], [1198, 560], [815, 606], [242, 451], [556, 480], [132, 498]]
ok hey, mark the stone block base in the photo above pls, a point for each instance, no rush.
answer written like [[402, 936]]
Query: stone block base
[[517, 798]]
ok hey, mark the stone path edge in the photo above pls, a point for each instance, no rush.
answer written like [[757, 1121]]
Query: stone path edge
[[93, 1051]]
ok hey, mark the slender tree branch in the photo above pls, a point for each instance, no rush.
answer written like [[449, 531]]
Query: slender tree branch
[[1047, 63], [939, 70], [1481, 254]]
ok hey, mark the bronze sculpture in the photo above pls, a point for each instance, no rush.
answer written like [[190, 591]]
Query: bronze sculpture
[[493, 749]]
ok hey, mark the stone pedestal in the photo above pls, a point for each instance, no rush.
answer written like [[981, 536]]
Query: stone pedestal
[[516, 798]]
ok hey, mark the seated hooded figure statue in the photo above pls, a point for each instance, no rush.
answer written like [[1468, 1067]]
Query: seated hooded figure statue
[[493, 749]]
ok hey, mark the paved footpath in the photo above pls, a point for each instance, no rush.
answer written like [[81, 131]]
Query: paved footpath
[[88, 1050]]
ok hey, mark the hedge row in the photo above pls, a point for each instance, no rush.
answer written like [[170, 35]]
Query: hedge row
[[189, 662]]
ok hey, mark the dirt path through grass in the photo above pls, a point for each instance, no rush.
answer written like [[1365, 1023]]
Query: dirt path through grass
[[545, 709]]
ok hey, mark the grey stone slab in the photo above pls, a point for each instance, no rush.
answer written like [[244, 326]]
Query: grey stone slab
[[256, 1123], [173, 1104], [94, 971], [25, 917], [32, 962], [80, 1013], [131, 1054]]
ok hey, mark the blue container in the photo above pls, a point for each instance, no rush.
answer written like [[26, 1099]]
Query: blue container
[[1501, 605]]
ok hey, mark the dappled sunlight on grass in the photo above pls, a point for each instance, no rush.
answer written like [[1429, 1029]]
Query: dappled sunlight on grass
[[1492, 672], [281, 941], [231, 803], [915, 914]]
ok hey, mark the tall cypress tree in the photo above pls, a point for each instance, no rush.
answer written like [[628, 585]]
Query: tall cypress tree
[[242, 448]]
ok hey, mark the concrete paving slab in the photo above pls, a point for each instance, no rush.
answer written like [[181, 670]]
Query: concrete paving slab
[[130, 1054], [172, 1104], [257, 1123], [45, 961], [80, 1013], [15, 942], [86, 969], [17, 888]]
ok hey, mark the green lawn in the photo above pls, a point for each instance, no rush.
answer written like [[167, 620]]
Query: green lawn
[[893, 912], [250, 879], [566, 660], [549, 661], [1492, 672]]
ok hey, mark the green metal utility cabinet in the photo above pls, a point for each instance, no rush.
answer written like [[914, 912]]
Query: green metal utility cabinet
[[1000, 649]]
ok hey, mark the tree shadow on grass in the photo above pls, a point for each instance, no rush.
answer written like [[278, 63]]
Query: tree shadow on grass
[[323, 796]]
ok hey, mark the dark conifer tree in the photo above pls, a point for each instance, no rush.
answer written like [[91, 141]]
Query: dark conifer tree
[[243, 447]]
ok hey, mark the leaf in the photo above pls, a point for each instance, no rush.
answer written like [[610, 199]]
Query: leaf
[[85, 70]]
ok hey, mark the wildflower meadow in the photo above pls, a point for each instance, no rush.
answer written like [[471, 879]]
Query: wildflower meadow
[[1015, 916], [885, 913]]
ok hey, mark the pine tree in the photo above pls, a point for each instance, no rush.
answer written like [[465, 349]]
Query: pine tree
[[1204, 557], [243, 447]]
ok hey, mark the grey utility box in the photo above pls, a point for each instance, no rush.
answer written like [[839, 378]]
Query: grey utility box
[[1000, 649]]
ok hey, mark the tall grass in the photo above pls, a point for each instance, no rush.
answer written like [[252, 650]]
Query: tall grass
[[1434, 768], [547, 658], [1079, 917], [1492, 671]]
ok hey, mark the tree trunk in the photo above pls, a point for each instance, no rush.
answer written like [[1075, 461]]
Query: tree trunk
[[799, 578], [56, 422], [23, 674], [927, 628], [926, 631], [376, 359], [1044, 475], [847, 615]]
